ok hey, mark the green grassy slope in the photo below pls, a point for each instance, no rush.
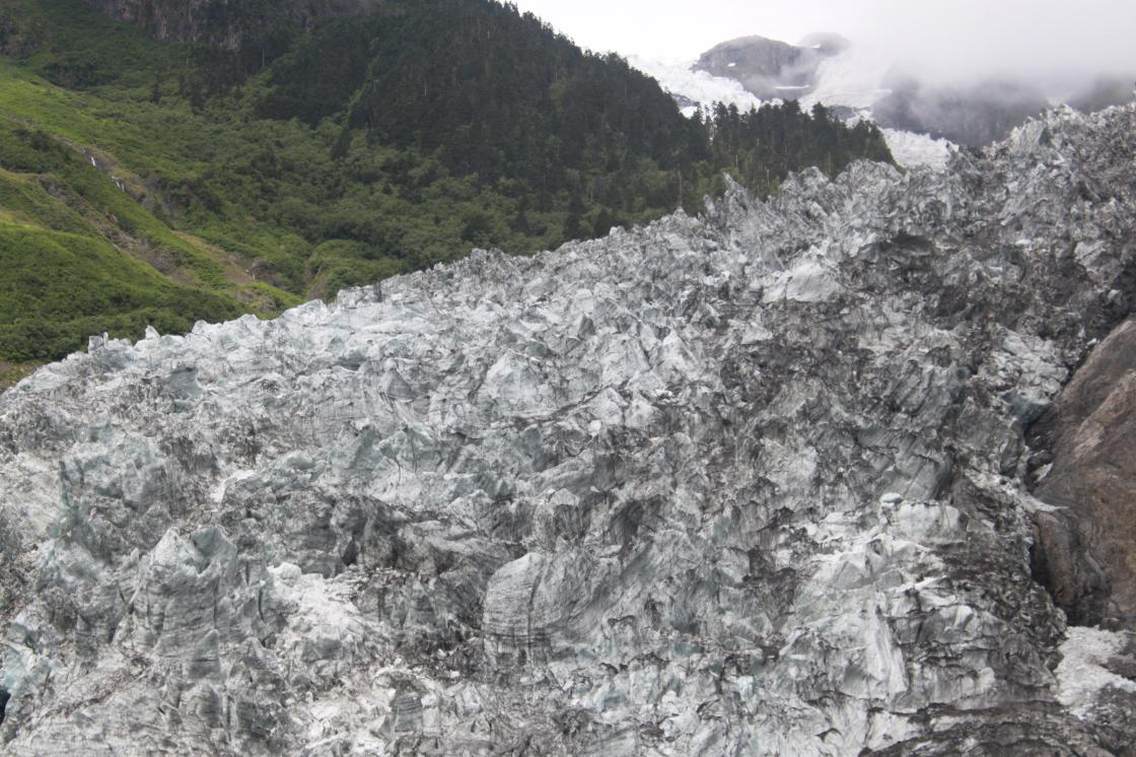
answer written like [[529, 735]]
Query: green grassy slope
[[158, 183], [80, 253]]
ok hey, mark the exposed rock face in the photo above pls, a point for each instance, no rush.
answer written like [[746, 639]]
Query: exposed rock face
[[753, 483], [1091, 431], [768, 68], [225, 23]]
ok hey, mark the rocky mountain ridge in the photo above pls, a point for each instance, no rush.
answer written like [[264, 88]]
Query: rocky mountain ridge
[[769, 68], [750, 483], [863, 80]]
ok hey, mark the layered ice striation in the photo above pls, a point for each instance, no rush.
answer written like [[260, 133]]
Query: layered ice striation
[[748, 483]]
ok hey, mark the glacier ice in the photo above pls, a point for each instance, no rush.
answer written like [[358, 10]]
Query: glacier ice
[[746, 483]]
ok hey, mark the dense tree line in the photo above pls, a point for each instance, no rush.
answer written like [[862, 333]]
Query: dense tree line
[[296, 159], [498, 95], [760, 147], [492, 92]]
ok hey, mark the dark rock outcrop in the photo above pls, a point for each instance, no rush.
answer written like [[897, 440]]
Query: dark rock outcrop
[[769, 68], [1088, 549]]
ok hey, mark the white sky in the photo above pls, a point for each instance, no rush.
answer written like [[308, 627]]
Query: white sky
[[952, 38]]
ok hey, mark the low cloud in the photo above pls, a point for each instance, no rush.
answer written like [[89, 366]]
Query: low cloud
[[1058, 46]]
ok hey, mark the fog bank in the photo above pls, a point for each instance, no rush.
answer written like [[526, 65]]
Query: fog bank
[[1059, 45]]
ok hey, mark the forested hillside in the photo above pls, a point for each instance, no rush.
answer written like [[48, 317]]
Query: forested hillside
[[162, 182]]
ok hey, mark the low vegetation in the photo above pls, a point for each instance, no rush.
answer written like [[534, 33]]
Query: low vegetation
[[160, 183]]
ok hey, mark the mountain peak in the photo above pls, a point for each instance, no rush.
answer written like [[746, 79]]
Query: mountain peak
[[770, 68]]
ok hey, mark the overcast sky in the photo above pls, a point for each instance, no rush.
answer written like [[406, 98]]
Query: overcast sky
[[951, 38]]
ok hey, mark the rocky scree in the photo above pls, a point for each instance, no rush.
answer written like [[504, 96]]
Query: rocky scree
[[750, 483]]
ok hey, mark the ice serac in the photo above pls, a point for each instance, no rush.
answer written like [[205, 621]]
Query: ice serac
[[750, 483]]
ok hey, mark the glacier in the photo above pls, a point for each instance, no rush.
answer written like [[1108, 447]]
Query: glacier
[[752, 482]]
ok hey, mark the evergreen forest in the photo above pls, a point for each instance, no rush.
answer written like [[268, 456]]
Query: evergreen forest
[[270, 160]]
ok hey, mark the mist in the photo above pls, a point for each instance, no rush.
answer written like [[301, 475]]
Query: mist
[[1060, 46]]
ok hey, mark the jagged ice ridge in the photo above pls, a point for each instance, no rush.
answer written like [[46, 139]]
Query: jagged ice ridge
[[748, 483]]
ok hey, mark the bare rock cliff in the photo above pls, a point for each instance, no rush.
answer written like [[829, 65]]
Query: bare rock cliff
[[1089, 468]]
